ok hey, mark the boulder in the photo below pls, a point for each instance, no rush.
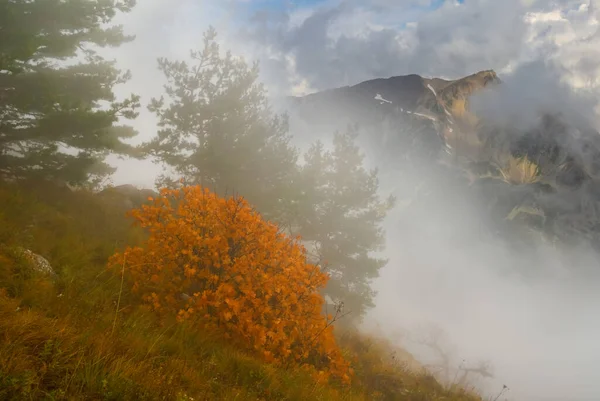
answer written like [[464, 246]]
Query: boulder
[[37, 262]]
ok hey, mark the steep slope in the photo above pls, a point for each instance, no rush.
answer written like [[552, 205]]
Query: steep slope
[[398, 113], [410, 94], [416, 124], [84, 335], [402, 91], [454, 95]]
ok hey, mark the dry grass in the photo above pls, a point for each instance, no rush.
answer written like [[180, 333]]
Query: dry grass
[[464, 144], [60, 339], [519, 171], [43, 357]]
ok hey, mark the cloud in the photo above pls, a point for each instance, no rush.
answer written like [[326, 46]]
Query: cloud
[[534, 88], [539, 335], [557, 72], [341, 43]]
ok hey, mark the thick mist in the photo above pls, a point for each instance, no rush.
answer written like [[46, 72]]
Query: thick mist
[[539, 333], [534, 88], [532, 315]]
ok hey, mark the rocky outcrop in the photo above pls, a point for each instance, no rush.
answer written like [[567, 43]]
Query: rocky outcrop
[[37, 262], [402, 117], [414, 95], [417, 124]]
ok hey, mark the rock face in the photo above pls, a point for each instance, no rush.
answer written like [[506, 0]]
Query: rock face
[[412, 123], [424, 116], [408, 94], [401, 116]]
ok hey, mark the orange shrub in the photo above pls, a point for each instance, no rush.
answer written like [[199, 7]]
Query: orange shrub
[[239, 274]]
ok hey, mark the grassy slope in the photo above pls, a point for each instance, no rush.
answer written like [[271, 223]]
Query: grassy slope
[[62, 338]]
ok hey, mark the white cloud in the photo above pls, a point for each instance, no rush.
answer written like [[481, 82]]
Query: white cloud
[[345, 43]]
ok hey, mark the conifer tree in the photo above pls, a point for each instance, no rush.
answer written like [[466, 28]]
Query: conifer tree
[[57, 107], [217, 129], [339, 214]]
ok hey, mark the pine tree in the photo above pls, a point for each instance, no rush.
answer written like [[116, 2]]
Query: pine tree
[[217, 129], [339, 214], [57, 107]]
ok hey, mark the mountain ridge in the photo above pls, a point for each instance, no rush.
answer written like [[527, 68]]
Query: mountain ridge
[[417, 124], [409, 92]]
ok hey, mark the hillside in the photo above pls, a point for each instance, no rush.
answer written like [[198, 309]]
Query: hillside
[[79, 333], [543, 178], [317, 255]]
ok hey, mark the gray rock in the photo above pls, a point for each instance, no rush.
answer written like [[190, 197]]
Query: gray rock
[[38, 262]]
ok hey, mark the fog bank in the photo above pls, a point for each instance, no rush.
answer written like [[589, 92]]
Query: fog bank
[[538, 331]]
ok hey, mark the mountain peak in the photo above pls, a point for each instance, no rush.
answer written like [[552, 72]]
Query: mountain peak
[[485, 74], [417, 97]]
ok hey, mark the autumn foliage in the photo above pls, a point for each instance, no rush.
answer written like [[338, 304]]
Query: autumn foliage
[[214, 261]]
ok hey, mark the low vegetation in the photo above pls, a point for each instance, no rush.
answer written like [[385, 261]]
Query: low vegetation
[[85, 334], [520, 171], [243, 277]]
